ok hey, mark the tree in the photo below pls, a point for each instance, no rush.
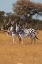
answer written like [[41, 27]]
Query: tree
[[25, 9], [2, 15]]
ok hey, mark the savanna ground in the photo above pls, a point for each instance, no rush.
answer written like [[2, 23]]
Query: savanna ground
[[20, 54]]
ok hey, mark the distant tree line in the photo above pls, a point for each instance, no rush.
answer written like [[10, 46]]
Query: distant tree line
[[23, 12]]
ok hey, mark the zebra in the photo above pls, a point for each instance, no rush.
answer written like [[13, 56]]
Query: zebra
[[26, 33], [12, 31]]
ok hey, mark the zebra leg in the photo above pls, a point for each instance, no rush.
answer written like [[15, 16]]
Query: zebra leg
[[19, 39], [31, 39], [34, 39], [14, 38], [13, 41], [22, 40]]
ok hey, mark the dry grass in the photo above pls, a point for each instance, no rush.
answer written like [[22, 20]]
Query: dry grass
[[20, 54]]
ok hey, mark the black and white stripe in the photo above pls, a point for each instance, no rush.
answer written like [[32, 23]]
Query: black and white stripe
[[26, 33]]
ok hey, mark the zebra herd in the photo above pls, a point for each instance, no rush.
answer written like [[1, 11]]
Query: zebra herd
[[22, 33]]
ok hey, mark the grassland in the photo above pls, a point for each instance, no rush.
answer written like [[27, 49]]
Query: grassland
[[20, 54]]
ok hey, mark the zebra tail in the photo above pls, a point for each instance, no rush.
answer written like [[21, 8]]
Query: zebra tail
[[36, 37]]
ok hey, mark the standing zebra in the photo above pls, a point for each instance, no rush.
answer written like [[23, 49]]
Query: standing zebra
[[12, 31], [26, 33]]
